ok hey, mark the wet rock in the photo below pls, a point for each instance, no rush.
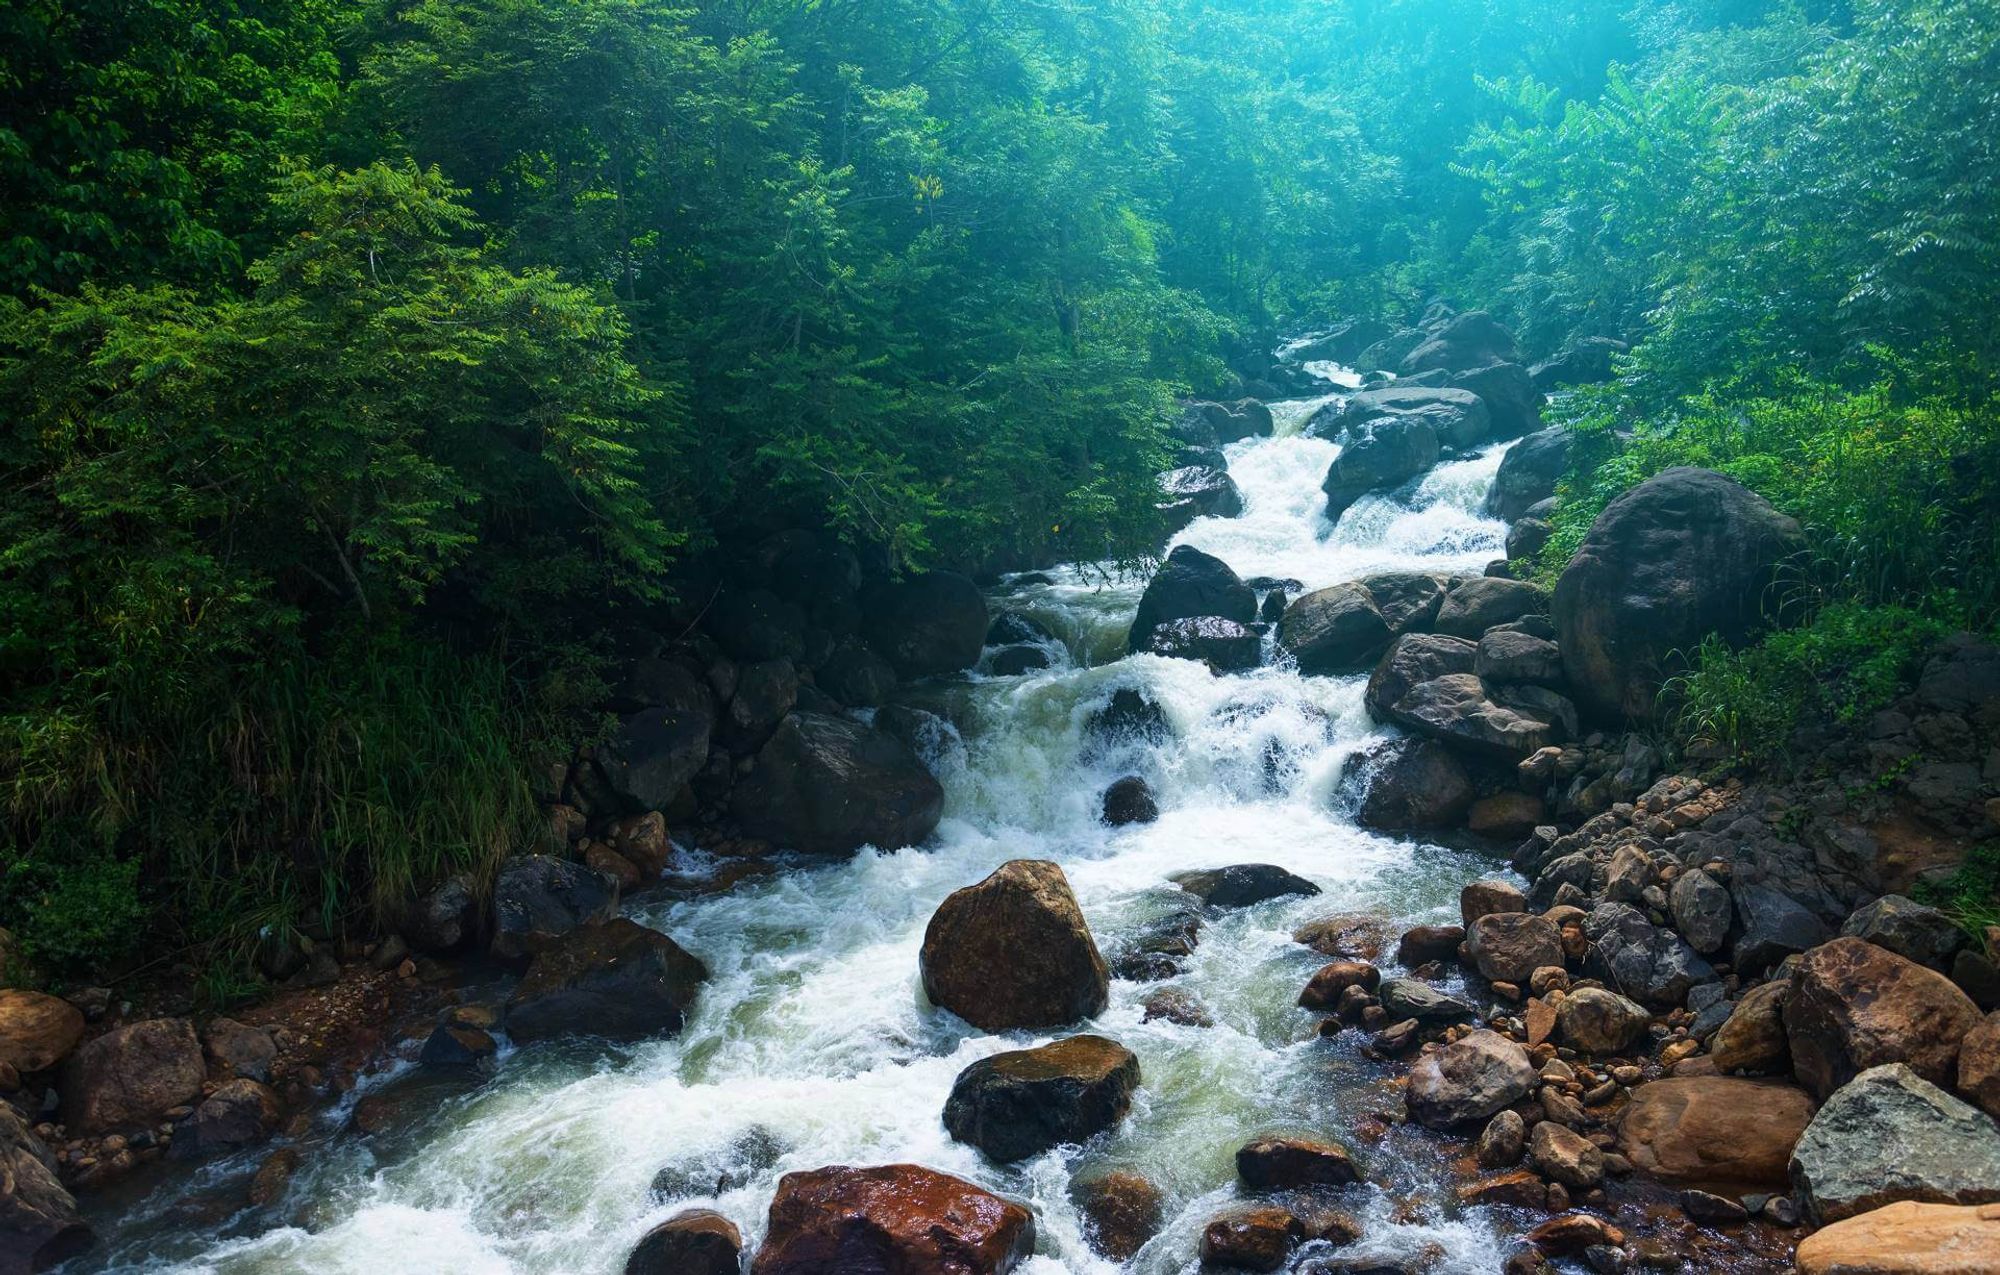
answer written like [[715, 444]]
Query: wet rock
[[1197, 491], [1175, 1006], [1479, 604], [1572, 1233], [1013, 952], [268, 1184], [1121, 1211], [39, 1225], [1335, 630], [1653, 966], [1457, 416], [1017, 660], [1347, 935], [1023, 1102], [1460, 710], [1890, 1135], [1323, 991], [1510, 946], [1470, 1079], [1506, 815], [1565, 1156], [1380, 455], [1490, 898], [1502, 1141], [1191, 583], [1910, 930], [238, 1114], [1128, 715], [1422, 944], [1595, 1021], [131, 1076], [898, 1217], [1417, 784], [1279, 1163], [1853, 1006], [1753, 1039], [696, 1242], [1128, 801], [1714, 1130], [1702, 910], [1685, 554], [458, 1045], [1528, 473], [1713, 1210], [1242, 885], [1415, 658], [1251, 1238], [1509, 392], [1224, 645], [538, 899], [1772, 925], [926, 625], [1413, 998], [830, 785], [37, 1031], [1907, 1238], [1516, 1189], [615, 979]]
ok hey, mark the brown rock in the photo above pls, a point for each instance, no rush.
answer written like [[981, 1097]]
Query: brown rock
[[1572, 1233], [1506, 815], [39, 1226], [1502, 1141], [1255, 1238], [1292, 1163], [896, 1217], [273, 1176], [237, 1114], [1715, 1131], [132, 1075], [612, 864], [1176, 1006], [1323, 990], [1470, 1079], [37, 1031], [1907, 1239], [1540, 1020], [1348, 936], [1520, 1189], [1022, 1102], [643, 841], [1565, 1156], [696, 1242], [616, 979], [1485, 898], [1596, 1021], [1013, 951], [1753, 1039], [1122, 1211], [239, 1049], [1510, 946], [1853, 1005], [1425, 943], [1979, 1065]]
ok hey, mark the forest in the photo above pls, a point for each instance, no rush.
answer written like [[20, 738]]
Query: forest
[[369, 369]]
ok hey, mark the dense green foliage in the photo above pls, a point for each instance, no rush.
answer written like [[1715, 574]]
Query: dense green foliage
[[361, 365]]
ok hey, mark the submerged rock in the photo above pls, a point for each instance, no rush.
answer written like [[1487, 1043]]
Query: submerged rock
[[1243, 884], [1122, 1210], [895, 1218], [1023, 1102], [1014, 952]]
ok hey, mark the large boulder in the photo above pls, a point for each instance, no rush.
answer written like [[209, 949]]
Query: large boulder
[[1716, 1132], [1510, 946], [1685, 554], [1280, 1162], [694, 1242], [1479, 604], [756, 624], [1241, 885], [830, 785], [1593, 1020], [1890, 1135], [1122, 1211], [1472, 340], [1853, 1006], [1586, 362], [1384, 454], [1529, 473], [1197, 491], [538, 899], [1468, 1080], [39, 1226], [130, 1075], [37, 1030], [765, 692], [1224, 422], [664, 742], [1026, 1101], [1415, 658], [1458, 418], [928, 624], [1509, 654], [1509, 392], [239, 1113], [855, 675], [1224, 645], [897, 1219], [1417, 785], [1342, 343], [1414, 998], [1651, 965], [1501, 722], [1771, 925], [1013, 951], [1334, 630], [1906, 1239], [616, 979], [1979, 1065], [1191, 583], [1909, 929]]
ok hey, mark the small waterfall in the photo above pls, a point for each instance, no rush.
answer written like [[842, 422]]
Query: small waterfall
[[811, 1045]]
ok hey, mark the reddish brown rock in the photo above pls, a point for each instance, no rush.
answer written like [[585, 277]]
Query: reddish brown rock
[[1255, 1238], [1753, 1039], [1510, 946], [1290, 1163], [1907, 1239], [132, 1075], [1853, 1005], [1348, 936], [1122, 1211], [1323, 990], [1565, 1156], [697, 1242], [1715, 1131], [1485, 898], [1520, 1189], [1025, 1101], [1014, 951], [238, 1114], [891, 1218], [37, 1031], [1572, 1233], [1979, 1065], [1426, 943]]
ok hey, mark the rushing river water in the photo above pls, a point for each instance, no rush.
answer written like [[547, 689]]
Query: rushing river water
[[812, 1044]]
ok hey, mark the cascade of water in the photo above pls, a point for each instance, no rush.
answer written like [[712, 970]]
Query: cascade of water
[[811, 1044]]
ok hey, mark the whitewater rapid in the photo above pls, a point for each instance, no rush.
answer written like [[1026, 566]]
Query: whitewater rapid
[[812, 1044]]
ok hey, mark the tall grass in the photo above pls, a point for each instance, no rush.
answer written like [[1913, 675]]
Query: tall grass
[[315, 793]]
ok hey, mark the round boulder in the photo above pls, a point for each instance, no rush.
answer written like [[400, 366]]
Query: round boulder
[[1014, 952], [1190, 583], [1595, 1021], [1509, 946], [696, 1242], [130, 1075], [1419, 784], [1026, 1101], [1853, 1006], [1714, 1131], [1470, 1079], [897, 1217], [37, 1030], [1128, 801]]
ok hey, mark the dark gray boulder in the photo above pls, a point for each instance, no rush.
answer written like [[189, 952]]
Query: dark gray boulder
[[756, 624], [1513, 404], [1472, 340], [616, 979], [659, 747], [1511, 655], [1027, 1101], [1334, 630], [1909, 929], [1191, 583], [1685, 554], [1702, 910], [1474, 606], [1128, 801], [1459, 417], [1771, 925], [1529, 473], [1502, 722], [1653, 966], [855, 675], [1414, 998], [926, 625], [1416, 785], [1890, 1135], [765, 692], [1224, 645], [538, 899], [1197, 491], [39, 1224], [1243, 884], [1384, 454], [829, 785]]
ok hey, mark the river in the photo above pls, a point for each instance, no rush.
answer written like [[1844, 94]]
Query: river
[[812, 1045]]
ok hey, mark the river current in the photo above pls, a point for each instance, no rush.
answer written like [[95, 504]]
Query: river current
[[812, 1043]]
